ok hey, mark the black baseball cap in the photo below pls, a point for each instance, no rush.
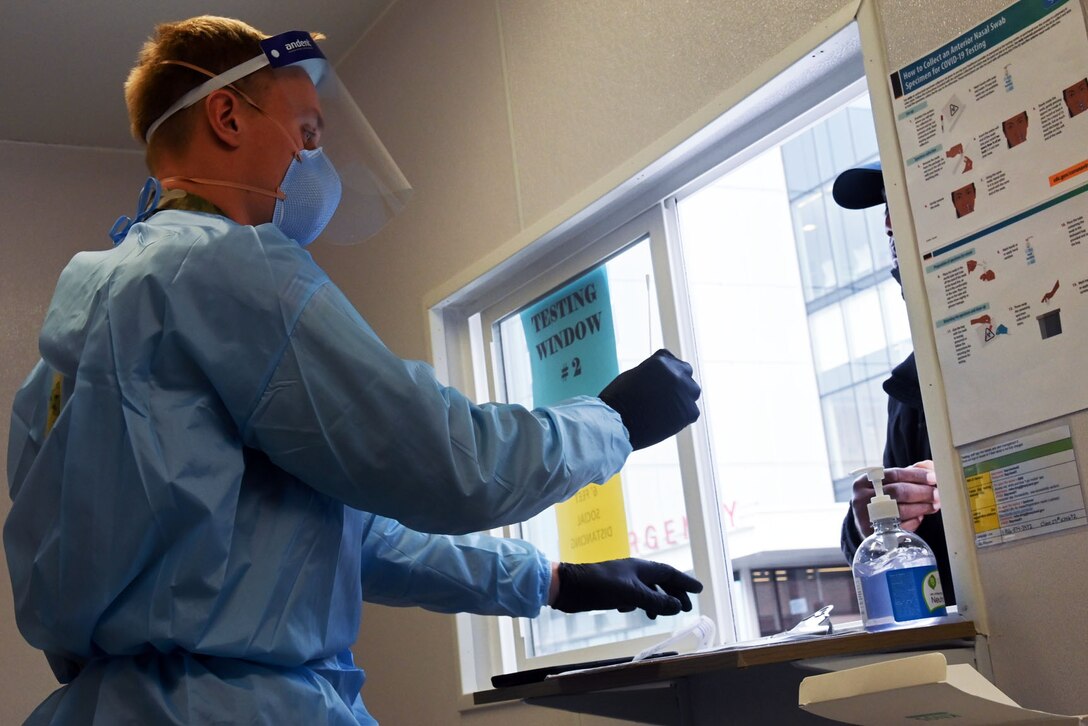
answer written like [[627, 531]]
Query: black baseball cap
[[859, 188]]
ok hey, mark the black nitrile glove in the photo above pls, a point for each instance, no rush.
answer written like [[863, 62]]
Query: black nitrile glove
[[624, 585], [655, 399]]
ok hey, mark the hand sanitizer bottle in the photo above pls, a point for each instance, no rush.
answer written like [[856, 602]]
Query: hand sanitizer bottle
[[895, 572]]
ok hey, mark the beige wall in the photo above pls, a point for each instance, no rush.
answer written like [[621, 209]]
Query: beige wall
[[502, 113], [54, 201]]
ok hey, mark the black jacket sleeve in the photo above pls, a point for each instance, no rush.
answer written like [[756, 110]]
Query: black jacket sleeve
[[907, 443]]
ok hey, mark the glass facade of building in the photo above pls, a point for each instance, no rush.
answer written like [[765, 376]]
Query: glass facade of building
[[856, 316]]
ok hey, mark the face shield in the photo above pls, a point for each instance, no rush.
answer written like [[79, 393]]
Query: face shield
[[373, 188]]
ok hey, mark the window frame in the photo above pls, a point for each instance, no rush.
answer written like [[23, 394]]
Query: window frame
[[460, 324], [693, 446]]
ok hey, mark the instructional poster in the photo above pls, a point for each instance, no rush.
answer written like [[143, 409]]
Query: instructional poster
[[1024, 487], [993, 127]]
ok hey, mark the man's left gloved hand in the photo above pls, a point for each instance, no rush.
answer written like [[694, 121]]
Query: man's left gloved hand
[[655, 399], [624, 585]]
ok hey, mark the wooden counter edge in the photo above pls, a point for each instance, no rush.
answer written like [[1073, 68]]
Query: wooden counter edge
[[669, 669]]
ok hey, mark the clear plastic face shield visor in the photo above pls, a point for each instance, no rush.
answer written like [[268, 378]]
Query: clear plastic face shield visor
[[373, 188]]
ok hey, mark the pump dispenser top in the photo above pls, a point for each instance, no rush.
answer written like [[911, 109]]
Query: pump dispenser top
[[881, 506]]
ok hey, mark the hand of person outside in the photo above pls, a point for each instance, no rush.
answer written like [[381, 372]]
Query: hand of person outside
[[621, 585], [914, 488], [655, 399]]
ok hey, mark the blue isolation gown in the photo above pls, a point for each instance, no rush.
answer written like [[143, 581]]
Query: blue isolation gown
[[190, 540]]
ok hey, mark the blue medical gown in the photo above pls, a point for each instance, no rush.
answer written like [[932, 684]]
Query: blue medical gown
[[192, 540]]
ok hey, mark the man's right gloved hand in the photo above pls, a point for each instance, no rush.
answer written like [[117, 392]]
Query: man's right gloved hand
[[655, 399], [624, 585]]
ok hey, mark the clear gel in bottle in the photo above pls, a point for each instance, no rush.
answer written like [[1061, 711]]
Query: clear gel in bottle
[[895, 572]]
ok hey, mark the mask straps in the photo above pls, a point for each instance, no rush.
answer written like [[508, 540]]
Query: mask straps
[[210, 86], [145, 206], [245, 97], [151, 193], [233, 185], [214, 83], [209, 74]]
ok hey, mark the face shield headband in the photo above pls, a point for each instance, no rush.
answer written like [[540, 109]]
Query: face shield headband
[[373, 188]]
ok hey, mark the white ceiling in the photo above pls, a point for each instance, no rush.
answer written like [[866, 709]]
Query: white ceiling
[[64, 62]]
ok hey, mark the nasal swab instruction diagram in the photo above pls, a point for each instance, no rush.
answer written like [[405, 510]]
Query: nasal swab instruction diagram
[[994, 133]]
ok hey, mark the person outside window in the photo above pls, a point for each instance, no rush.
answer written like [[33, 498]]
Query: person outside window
[[909, 476]]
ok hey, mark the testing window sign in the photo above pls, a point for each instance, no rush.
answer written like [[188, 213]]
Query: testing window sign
[[572, 340], [571, 343]]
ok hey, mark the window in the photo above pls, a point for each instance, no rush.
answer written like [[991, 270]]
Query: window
[[651, 517], [731, 252], [784, 596]]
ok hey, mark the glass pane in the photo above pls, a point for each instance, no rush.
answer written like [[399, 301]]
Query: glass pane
[[761, 403], [840, 245], [829, 347], [862, 131], [814, 245], [872, 419], [796, 328], [854, 226], [825, 162], [896, 325], [844, 433], [873, 219], [865, 335], [784, 596], [851, 227], [840, 136], [799, 160], [656, 521]]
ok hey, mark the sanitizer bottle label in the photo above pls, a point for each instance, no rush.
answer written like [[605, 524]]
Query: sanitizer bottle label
[[915, 593]]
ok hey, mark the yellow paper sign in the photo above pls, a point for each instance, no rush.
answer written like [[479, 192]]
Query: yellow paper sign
[[593, 524], [983, 503]]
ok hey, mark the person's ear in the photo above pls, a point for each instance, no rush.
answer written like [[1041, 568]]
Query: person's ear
[[222, 109]]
